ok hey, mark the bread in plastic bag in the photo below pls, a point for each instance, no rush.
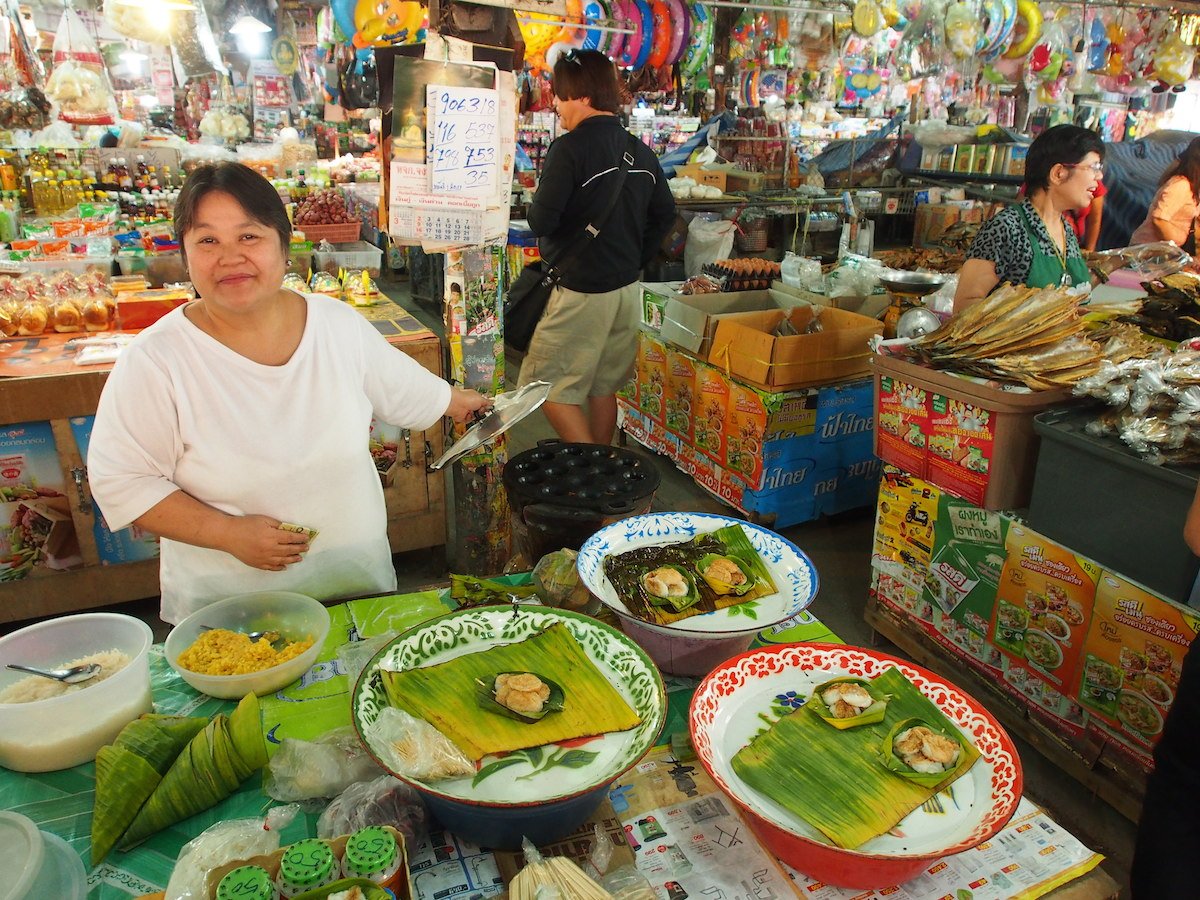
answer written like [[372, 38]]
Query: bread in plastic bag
[[222, 843], [385, 800], [309, 770], [79, 86], [415, 749]]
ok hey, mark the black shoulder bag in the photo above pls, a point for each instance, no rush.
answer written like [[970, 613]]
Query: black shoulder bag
[[530, 292]]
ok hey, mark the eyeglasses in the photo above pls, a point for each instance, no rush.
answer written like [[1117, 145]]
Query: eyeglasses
[[1096, 168]]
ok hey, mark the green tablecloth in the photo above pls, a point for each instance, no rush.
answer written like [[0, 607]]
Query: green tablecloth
[[61, 802]]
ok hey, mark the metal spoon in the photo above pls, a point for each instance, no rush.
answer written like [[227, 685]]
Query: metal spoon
[[271, 636], [73, 675]]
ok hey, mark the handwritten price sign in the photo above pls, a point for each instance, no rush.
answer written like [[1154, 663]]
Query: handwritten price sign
[[462, 145]]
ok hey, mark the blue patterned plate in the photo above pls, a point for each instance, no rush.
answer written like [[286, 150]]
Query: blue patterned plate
[[544, 774], [791, 570]]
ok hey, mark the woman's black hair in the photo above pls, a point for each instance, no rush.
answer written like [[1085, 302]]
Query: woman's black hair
[[1186, 164], [587, 73], [1061, 145], [255, 194]]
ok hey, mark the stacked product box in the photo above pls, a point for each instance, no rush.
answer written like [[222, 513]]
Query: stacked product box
[[786, 457], [1087, 653]]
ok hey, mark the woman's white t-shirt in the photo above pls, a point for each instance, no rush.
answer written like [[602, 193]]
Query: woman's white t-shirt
[[181, 411]]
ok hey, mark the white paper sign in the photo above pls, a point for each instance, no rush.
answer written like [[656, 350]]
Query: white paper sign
[[462, 140], [432, 219]]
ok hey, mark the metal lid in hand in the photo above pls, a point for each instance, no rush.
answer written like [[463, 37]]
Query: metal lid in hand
[[509, 409]]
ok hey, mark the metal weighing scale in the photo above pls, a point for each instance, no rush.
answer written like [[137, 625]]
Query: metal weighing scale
[[906, 290]]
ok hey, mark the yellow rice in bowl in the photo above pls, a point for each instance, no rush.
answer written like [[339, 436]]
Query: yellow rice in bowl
[[223, 652]]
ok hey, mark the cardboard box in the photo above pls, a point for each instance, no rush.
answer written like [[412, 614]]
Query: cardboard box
[[690, 320], [712, 399], [745, 345], [902, 425], [968, 559], [701, 175], [680, 394], [673, 243], [1043, 606], [1132, 658]]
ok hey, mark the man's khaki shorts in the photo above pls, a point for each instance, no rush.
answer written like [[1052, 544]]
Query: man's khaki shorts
[[585, 344]]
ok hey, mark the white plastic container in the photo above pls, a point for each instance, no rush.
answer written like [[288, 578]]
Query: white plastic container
[[65, 731], [35, 865], [294, 616], [352, 256]]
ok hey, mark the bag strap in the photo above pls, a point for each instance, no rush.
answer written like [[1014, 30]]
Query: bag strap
[[592, 230]]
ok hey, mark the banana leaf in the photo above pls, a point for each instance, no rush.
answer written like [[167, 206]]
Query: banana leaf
[[835, 780], [485, 696], [128, 771], [445, 695], [869, 716], [930, 779], [209, 769], [625, 571]]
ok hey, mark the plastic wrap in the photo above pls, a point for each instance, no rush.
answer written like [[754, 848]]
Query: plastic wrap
[[415, 749], [707, 242], [222, 843], [354, 655], [627, 883], [384, 801], [310, 770], [79, 86], [1152, 261], [855, 276], [557, 581]]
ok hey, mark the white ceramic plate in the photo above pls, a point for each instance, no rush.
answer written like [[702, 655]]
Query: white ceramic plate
[[791, 570], [534, 779], [729, 705]]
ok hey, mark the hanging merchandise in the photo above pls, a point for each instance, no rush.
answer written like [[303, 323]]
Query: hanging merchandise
[[700, 42], [1000, 18], [196, 51], [646, 33], [1173, 62], [222, 125], [380, 23], [142, 23], [79, 86], [539, 31], [921, 48], [1027, 29], [962, 29], [360, 83], [20, 107], [680, 30], [868, 17], [595, 12], [660, 45], [1098, 44], [570, 35]]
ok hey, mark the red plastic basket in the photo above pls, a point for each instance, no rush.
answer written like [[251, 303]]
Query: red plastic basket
[[335, 234]]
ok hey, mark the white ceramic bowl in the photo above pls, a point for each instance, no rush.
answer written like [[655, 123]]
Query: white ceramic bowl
[[65, 731], [694, 645], [294, 616]]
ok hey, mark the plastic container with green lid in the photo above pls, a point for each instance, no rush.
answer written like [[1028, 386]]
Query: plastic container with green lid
[[306, 865], [247, 883], [372, 853]]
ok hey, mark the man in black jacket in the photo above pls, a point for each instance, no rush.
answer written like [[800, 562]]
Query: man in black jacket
[[586, 342]]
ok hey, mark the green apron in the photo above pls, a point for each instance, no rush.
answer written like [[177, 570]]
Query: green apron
[[1046, 270]]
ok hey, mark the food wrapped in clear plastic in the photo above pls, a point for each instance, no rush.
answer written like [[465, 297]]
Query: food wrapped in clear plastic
[[324, 283], [1152, 261], [415, 749], [557, 581], [307, 770], [385, 800]]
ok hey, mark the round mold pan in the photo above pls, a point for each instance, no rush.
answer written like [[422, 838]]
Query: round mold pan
[[606, 480]]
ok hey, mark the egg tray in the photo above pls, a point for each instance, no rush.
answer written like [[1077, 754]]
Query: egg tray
[[609, 480]]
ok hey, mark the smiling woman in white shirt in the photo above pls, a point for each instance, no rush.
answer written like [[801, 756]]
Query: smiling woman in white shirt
[[250, 407]]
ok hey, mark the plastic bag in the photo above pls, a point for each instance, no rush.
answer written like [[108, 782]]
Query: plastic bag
[[385, 801], [79, 83], [1152, 261], [140, 22], [855, 276], [308, 770], [557, 581], [627, 883], [707, 242], [801, 272], [415, 749], [355, 655], [222, 843]]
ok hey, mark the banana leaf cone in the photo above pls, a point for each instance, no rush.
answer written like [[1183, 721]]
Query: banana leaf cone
[[129, 769], [209, 770], [445, 695], [869, 716]]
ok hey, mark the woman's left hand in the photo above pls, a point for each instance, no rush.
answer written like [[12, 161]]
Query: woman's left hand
[[465, 403]]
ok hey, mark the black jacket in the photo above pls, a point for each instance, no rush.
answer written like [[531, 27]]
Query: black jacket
[[579, 172]]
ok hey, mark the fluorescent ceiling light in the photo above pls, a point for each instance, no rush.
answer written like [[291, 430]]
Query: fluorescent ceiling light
[[247, 24]]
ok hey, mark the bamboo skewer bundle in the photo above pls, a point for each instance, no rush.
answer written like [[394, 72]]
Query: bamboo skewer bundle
[[541, 879]]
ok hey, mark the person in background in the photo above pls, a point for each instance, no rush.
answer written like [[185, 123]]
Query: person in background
[[1169, 828], [1087, 220], [586, 341], [250, 408], [1173, 211], [1032, 243]]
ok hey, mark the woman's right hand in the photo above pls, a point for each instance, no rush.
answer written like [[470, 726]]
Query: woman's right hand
[[260, 543]]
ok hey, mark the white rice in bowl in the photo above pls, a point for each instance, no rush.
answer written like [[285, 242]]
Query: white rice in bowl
[[35, 687]]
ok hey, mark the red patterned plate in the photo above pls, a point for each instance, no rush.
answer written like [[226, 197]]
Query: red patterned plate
[[727, 711]]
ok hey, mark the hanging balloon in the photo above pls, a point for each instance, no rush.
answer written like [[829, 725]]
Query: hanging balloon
[[1173, 62], [867, 18], [616, 40], [539, 31], [695, 58], [660, 44], [679, 31], [1001, 18], [381, 23], [594, 11], [962, 30], [572, 32], [1098, 44], [1027, 29], [343, 14]]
